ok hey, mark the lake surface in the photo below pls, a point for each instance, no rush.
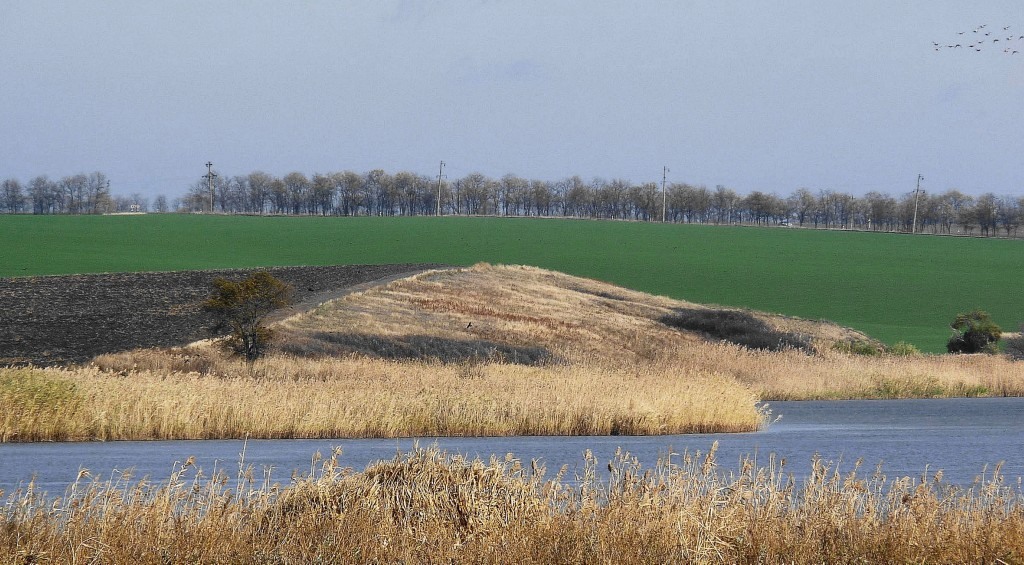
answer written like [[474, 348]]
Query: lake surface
[[960, 436]]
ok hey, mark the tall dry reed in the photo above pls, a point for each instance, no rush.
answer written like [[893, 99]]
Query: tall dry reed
[[360, 397], [36, 406], [426, 506]]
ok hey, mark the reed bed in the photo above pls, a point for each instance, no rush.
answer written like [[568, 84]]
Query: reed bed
[[360, 397], [428, 506], [829, 375]]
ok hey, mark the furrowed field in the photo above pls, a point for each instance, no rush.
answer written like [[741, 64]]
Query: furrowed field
[[893, 287]]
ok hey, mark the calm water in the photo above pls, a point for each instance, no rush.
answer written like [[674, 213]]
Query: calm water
[[959, 436]]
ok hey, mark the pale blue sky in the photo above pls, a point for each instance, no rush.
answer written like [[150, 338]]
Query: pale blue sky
[[763, 96]]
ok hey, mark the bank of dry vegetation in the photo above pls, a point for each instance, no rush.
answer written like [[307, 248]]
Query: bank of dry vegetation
[[426, 507], [489, 350]]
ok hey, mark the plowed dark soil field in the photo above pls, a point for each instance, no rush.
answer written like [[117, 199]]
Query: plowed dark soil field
[[61, 320]]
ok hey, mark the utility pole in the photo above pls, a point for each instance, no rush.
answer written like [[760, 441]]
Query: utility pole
[[664, 195], [913, 227], [209, 181], [440, 170]]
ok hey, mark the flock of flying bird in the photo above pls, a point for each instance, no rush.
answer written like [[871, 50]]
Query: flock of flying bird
[[982, 37]]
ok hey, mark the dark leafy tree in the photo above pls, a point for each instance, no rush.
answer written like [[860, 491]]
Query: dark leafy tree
[[974, 332], [241, 307]]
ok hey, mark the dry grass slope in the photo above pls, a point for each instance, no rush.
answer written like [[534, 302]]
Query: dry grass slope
[[581, 321], [571, 318]]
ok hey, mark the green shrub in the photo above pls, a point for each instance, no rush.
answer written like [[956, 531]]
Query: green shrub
[[974, 332]]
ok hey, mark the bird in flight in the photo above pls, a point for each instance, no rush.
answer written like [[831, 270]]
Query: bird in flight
[[978, 44]]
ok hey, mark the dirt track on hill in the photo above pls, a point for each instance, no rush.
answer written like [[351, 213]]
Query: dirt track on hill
[[61, 320]]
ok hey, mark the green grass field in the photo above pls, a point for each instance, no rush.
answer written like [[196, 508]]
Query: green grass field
[[894, 287]]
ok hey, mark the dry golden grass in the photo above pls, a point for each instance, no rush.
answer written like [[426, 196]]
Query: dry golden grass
[[840, 376], [426, 506], [361, 397]]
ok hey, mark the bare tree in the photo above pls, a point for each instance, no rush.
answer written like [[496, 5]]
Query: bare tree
[[986, 213], [1008, 214], [241, 308], [321, 196], [258, 185], [542, 197], [97, 194], [350, 192], [724, 204], [278, 196], [298, 187], [12, 197]]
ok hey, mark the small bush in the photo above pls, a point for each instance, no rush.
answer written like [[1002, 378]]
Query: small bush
[[903, 349], [858, 347], [974, 332], [736, 326]]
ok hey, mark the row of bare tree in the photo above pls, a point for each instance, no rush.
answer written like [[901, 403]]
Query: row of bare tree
[[378, 193], [74, 194], [408, 194]]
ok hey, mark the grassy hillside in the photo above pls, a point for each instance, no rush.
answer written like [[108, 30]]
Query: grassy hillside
[[894, 287], [483, 351]]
